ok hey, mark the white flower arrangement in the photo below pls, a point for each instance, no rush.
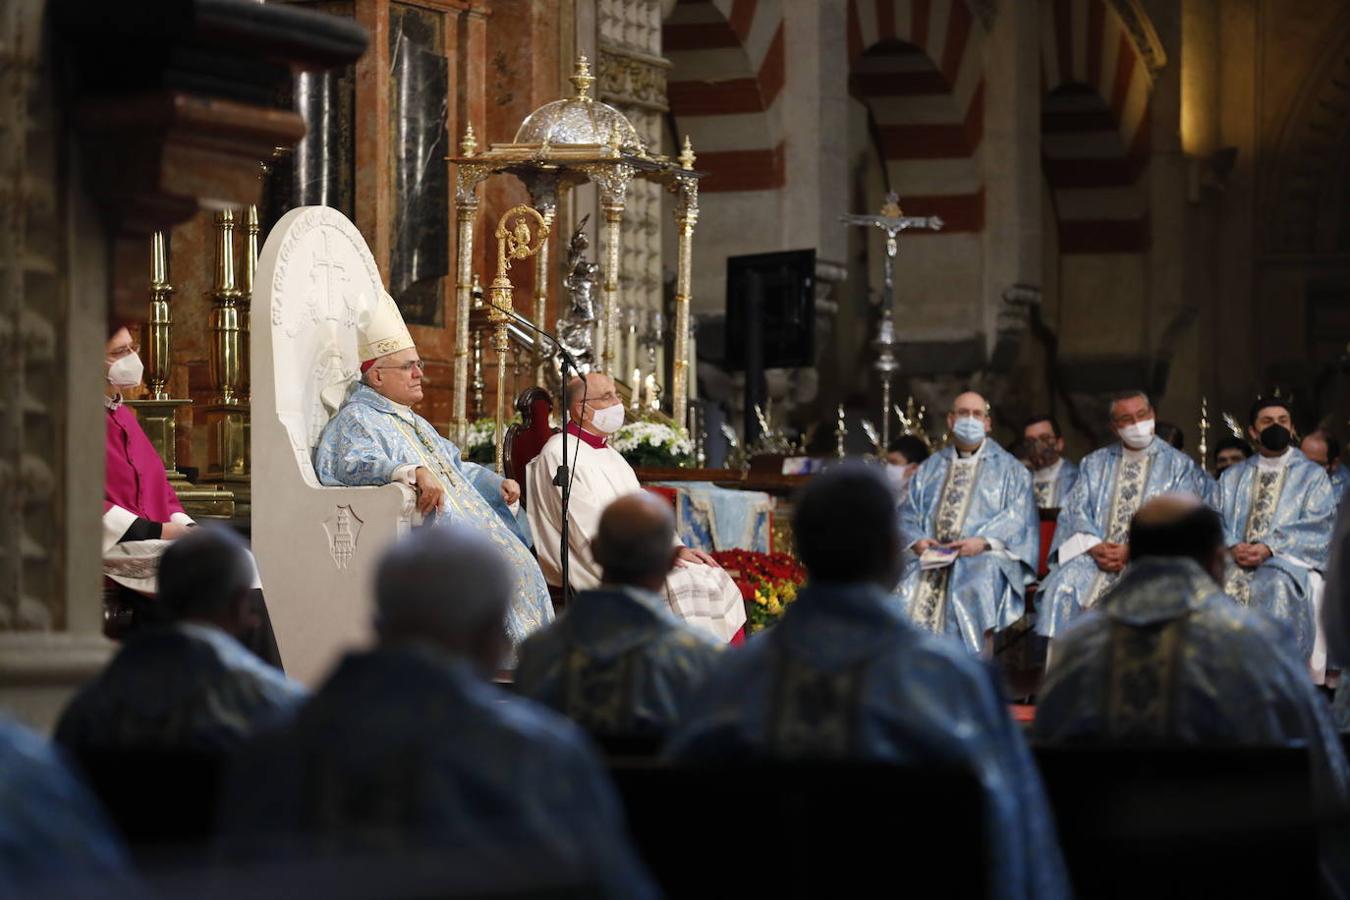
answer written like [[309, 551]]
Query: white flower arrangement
[[652, 443], [480, 433]]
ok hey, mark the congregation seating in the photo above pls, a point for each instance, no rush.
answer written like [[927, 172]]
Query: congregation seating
[[804, 829], [1184, 822], [162, 802], [1133, 822]]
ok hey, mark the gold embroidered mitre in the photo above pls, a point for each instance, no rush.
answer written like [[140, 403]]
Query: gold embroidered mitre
[[380, 330]]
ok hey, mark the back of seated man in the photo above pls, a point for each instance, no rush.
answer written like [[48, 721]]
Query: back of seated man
[[844, 675], [408, 763], [620, 663], [1218, 673], [187, 685], [54, 839]]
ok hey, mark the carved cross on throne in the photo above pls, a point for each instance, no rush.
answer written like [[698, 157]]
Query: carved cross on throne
[[323, 273]]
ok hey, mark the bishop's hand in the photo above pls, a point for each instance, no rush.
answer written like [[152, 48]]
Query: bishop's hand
[[429, 491], [510, 490]]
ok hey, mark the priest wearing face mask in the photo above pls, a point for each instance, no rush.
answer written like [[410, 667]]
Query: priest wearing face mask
[[969, 516], [1091, 546], [139, 504], [142, 513], [697, 589], [1278, 507]]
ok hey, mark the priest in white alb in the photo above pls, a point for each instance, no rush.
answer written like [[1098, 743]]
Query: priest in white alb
[[698, 590], [376, 438]]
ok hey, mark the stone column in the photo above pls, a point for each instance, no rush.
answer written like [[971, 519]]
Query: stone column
[[1011, 161]]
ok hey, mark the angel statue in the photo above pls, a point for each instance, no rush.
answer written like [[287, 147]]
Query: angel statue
[[576, 330]]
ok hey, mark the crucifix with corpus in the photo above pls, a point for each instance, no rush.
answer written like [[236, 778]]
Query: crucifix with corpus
[[891, 220]]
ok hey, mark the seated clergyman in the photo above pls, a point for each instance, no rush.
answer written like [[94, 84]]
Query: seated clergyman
[[1091, 546], [698, 589], [142, 515], [969, 508], [1278, 508], [1167, 657], [844, 675], [1052, 473], [407, 758], [188, 684], [619, 662], [376, 438]]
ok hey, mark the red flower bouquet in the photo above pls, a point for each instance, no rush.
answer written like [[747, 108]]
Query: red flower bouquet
[[768, 583]]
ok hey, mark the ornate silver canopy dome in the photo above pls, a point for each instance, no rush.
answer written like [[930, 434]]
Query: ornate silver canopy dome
[[579, 120]]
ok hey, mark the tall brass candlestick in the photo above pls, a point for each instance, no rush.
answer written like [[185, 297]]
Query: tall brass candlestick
[[159, 333], [227, 417], [252, 230], [224, 318], [158, 412], [514, 241]]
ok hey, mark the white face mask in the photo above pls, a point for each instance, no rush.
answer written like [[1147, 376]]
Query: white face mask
[[1137, 436], [126, 372], [899, 477], [969, 430], [608, 420]]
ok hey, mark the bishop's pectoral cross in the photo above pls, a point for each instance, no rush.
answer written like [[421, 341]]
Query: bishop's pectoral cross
[[891, 220]]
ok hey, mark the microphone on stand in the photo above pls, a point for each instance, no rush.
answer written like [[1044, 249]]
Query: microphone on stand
[[563, 477]]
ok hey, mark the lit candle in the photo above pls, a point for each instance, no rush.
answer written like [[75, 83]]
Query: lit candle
[[635, 389], [630, 344]]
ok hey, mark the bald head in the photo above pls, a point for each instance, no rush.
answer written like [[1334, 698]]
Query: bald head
[[1179, 525], [448, 586], [585, 395], [969, 401], [1314, 447], [635, 541]]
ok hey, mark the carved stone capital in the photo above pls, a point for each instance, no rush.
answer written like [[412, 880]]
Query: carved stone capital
[[630, 78]]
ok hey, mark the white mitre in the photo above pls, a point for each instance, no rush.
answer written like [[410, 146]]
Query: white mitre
[[380, 330]]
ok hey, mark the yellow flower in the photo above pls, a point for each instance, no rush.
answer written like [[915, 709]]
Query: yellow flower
[[761, 599], [774, 606]]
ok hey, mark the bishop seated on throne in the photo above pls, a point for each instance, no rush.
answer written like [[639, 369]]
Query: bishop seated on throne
[[376, 438]]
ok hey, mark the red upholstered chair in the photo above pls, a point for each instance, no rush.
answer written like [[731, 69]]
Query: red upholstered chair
[[524, 441], [669, 493], [1049, 519]]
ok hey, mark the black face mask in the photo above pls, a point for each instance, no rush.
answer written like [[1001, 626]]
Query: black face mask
[[1275, 438]]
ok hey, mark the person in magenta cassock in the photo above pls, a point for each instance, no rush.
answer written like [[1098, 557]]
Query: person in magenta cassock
[[141, 511]]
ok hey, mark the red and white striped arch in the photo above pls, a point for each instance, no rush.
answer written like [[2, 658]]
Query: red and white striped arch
[[1095, 131], [918, 67], [728, 70]]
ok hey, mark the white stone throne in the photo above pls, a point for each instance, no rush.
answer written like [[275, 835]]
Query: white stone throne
[[316, 546]]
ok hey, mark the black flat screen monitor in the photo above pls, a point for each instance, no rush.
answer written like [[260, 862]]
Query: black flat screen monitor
[[787, 312]]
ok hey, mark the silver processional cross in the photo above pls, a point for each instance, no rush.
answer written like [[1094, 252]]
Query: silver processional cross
[[891, 221]]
